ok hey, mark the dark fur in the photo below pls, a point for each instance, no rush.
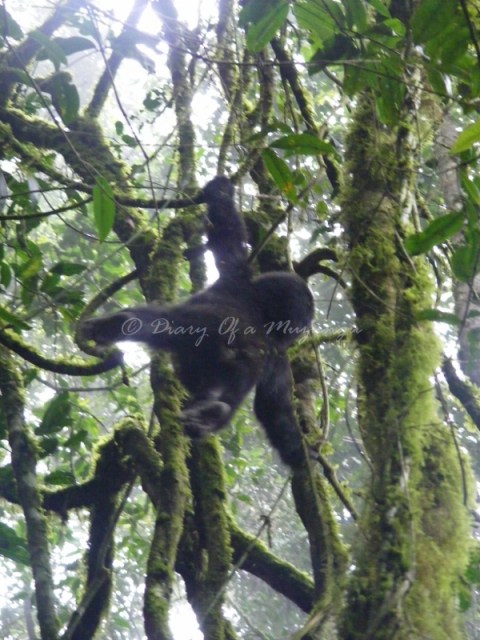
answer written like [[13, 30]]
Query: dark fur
[[228, 338]]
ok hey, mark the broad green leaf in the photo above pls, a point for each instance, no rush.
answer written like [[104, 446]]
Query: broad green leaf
[[103, 207], [51, 50], [303, 144], [12, 546], [357, 15], [390, 91], [471, 187], [77, 438], [280, 173], [334, 9], [435, 233], [11, 319], [68, 268], [8, 26], [454, 45], [5, 274], [30, 268], [129, 140], [254, 10], [60, 477], [467, 138], [65, 98], [379, 6], [436, 79], [260, 33], [465, 262], [313, 18], [397, 26], [68, 46], [438, 316], [50, 284], [57, 414], [432, 17]]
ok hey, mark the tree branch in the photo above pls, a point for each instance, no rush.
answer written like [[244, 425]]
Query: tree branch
[[69, 367], [463, 391], [278, 574]]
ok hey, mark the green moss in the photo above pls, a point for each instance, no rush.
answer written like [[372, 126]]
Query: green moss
[[412, 554]]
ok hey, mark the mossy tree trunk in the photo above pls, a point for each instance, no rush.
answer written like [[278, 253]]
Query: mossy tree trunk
[[413, 529]]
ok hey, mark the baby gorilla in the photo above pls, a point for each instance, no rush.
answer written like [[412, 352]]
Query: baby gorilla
[[228, 338]]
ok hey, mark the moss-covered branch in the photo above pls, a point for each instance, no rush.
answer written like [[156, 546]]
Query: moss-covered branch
[[213, 554], [67, 366], [254, 557], [24, 469]]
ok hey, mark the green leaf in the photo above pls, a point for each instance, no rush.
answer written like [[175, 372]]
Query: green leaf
[[11, 319], [68, 46], [438, 316], [435, 233], [436, 79], [51, 50], [467, 138], [280, 173], [129, 140], [8, 26], [5, 274], [357, 15], [60, 477], [465, 262], [260, 33], [57, 414], [454, 45], [397, 26], [12, 546], [380, 7], [472, 189], [103, 207], [68, 268], [65, 98], [431, 18], [303, 144], [315, 20], [30, 268], [390, 91], [254, 10]]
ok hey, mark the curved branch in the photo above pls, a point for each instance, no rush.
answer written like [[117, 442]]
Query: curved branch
[[311, 264], [46, 214], [68, 367], [94, 304]]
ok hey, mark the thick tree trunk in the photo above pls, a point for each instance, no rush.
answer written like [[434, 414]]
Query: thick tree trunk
[[409, 554]]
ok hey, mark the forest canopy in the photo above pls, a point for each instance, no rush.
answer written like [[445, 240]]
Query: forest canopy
[[349, 130]]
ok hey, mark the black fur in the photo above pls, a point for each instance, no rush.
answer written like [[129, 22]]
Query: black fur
[[229, 337]]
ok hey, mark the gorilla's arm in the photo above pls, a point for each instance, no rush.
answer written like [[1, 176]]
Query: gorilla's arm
[[274, 408], [226, 231]]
